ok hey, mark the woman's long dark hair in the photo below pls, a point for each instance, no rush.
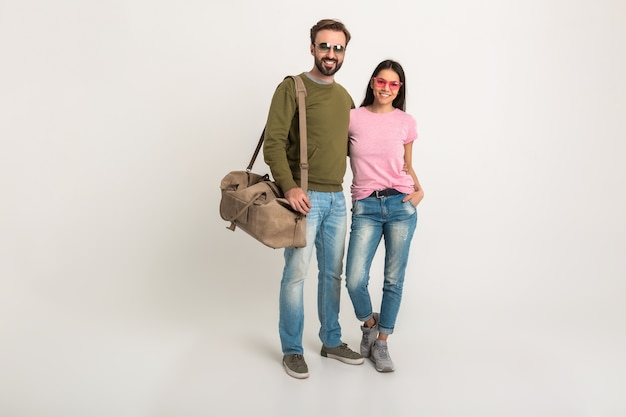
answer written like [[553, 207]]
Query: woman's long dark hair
[[400, 100]]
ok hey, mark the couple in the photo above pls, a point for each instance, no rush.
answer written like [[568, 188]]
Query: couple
[[378, 138]]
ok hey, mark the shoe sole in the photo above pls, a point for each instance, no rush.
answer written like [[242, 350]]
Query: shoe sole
[[292, 373], [349, 361], [384, 369]]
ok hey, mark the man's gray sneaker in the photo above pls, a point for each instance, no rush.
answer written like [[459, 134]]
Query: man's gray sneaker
[[380, 357], [296, 366], [342, 353], [369, 337]]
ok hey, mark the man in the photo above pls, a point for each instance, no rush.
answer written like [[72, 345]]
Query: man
[[328, 107]]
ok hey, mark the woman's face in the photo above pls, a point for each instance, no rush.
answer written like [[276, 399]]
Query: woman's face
[[386, 85]]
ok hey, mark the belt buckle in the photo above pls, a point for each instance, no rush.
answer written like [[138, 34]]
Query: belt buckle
[[380, 193]]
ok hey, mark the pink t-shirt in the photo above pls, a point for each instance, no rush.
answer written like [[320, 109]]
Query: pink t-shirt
[[376, 150]]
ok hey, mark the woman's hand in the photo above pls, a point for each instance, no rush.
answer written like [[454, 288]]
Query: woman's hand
[[415, 197]]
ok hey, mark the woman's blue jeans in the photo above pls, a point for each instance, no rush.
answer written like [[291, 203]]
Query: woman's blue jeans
[[374, 218], [326, 227]]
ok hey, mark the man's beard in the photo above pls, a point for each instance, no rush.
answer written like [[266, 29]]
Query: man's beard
[[320, 66]]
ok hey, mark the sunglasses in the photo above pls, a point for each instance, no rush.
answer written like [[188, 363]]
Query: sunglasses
[[381, 83], [326, 47]]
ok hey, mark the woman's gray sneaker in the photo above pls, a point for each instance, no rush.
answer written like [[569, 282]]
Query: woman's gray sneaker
[[369, 337], [380, 356]]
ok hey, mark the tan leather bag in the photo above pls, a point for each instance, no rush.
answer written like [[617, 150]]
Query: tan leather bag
[[256, 205]]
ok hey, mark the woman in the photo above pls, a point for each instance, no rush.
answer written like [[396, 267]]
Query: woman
[[385, 192]]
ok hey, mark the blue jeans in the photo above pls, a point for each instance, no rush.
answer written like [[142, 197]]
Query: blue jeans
[[326, 226], [373, 219]]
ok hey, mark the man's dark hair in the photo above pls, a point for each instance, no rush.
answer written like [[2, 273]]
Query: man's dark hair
[[329, 24]]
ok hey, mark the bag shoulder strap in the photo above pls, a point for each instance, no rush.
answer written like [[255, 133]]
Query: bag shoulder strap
[[304, 164]]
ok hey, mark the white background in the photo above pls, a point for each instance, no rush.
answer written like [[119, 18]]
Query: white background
[[122, 293]]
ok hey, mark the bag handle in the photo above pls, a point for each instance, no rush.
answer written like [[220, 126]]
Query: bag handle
[[304, 163], [243, 210]]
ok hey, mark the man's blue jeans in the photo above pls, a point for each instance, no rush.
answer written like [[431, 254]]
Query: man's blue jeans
[[326, 231], [373, 219]]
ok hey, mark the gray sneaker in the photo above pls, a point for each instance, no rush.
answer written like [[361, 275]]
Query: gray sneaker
[[342, 353], [380, 357], [296, 366], [369, 337]]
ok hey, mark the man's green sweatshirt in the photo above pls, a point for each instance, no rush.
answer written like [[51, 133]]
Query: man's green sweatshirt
[[328, 115]]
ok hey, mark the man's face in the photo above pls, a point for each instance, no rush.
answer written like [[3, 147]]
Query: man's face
[[329, 50]]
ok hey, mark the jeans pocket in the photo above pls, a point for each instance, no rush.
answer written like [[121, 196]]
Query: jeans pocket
[[409, 205]]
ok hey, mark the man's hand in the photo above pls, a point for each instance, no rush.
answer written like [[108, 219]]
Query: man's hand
[[298, 200]]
